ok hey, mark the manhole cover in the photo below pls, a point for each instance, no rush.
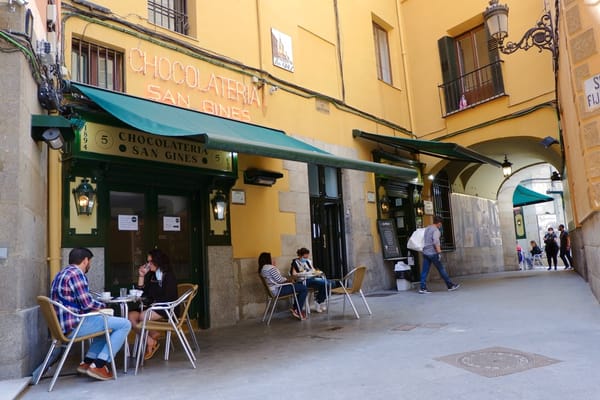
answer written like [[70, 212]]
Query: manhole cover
[[381, 294], [497, 361], [404, 328]]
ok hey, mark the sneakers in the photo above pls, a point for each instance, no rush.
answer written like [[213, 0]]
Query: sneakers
[[83, 368], [320, 307], [102, 374], [453, 287], [424, 291]]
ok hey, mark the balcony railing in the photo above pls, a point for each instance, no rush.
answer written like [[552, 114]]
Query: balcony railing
[[474, 88]]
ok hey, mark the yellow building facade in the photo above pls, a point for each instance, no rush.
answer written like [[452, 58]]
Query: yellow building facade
[[219, 130]]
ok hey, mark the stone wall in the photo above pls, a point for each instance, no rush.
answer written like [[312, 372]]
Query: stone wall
[[23, 202]]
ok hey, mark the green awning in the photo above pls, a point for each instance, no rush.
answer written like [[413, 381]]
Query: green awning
[[223, 134], [41, 122], [445, 150], [524, 197]]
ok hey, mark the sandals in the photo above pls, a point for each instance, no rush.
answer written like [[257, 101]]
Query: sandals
[[151, 351]]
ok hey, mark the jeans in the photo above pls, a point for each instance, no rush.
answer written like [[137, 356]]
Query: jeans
[[320, 285], [99, 349], [565, 256], [435, 259], [301, 292]]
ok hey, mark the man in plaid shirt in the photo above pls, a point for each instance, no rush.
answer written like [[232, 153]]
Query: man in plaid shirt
[[70, 288]]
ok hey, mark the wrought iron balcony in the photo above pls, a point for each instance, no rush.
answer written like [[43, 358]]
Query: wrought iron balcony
[[468, 90]]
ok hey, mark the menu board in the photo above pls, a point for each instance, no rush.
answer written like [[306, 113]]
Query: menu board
[[389, 238]]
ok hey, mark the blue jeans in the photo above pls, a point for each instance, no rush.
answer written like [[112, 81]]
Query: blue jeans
[[320, 286], [435, 259], [301, 292], [99, 349]]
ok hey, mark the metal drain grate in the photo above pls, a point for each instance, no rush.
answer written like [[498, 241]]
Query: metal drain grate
[[497, 361]]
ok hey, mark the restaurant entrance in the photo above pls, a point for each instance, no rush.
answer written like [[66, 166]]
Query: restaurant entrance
[[145, 217]]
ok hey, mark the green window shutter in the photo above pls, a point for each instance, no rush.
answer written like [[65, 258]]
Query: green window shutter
[[450, 73]]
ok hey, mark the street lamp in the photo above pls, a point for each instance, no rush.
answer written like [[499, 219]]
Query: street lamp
[[506, 167], [542, 35]]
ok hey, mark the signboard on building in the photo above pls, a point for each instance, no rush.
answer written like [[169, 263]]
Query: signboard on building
[[129, 143], [281, 45], [592, 93]]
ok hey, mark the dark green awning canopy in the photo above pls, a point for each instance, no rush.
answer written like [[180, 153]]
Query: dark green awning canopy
[[223, 134], [445, 150], [41, 122], [524, 197]]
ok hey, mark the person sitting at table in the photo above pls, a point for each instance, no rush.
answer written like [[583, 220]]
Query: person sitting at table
[[157, 280], [268, 270], [318, 283]]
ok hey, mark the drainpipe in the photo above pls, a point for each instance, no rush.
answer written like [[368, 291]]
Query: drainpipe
[[54, 211]]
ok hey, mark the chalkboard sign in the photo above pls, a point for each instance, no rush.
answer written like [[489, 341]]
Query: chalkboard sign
[[389, 238]]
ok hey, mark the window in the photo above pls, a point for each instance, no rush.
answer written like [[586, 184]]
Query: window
[[96, 65], [470, 68], [382, 54], [170, 14]]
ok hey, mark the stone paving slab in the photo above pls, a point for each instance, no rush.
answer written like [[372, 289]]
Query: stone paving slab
[[334, 356]]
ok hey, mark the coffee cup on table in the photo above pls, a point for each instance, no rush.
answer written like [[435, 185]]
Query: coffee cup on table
[[106, 295]]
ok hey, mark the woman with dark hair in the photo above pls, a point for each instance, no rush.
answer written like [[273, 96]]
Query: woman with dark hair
[[157, 280], [318, 283], [551, 248], [268, 270]]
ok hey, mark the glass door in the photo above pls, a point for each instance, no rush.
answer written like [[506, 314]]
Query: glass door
[[145, 218]]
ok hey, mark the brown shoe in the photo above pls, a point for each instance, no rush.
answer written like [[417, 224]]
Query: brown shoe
[[151, 351], [102, 374], [83, 368]]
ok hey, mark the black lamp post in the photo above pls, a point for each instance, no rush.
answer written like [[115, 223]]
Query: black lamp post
[[542, 35], [85, 197], [219, 206]]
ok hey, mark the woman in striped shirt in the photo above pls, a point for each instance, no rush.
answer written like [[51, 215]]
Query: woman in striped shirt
[[268, 270]]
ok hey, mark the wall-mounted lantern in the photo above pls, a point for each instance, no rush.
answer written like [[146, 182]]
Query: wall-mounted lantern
[[85, 197], [219, 206]]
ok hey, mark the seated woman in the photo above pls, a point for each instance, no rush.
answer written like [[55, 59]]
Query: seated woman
[[268, 270], [159, 284], [303, 264], [534, 251]]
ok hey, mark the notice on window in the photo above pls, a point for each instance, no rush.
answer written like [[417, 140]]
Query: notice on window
[[172, 224], [128, 222]]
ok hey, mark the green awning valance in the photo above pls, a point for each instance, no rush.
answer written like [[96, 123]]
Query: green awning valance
[[524, 197], [223, 134], [445, 150]]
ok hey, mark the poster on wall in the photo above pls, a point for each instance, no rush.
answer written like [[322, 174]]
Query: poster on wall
[[281, 45], [128, 222]]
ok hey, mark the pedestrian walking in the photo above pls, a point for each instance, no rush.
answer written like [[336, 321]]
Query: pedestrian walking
[[565, 247], [431, 255]]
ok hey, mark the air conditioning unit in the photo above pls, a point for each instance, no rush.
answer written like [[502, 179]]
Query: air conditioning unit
[[46, 51]]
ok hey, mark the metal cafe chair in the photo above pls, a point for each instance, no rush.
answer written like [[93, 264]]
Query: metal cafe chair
[[273, 298], [59, 339], [173, 323], [351, 284], [181, 289]]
